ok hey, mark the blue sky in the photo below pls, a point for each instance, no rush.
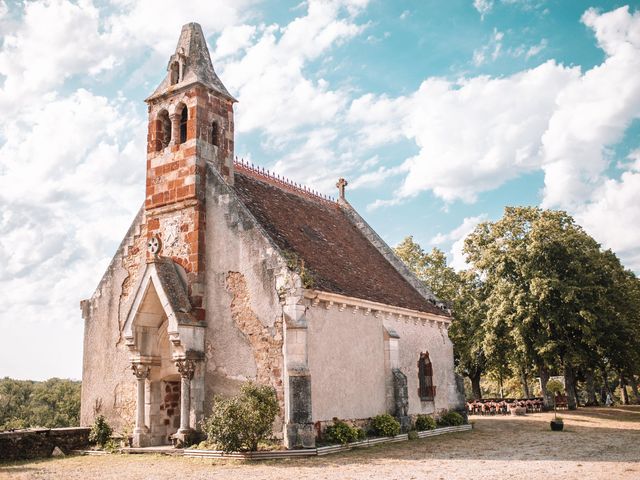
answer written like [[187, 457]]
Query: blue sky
[[438, 113]]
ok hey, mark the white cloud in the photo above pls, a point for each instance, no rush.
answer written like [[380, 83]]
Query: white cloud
[[593, 112], [278, 98], [491, 50], [154, 23], [483, 7], [375, 178], [43, 51], [275, 95], [71, 175], [474, 134], [536, 49], [233, 40], [614, 212], [457, 259]]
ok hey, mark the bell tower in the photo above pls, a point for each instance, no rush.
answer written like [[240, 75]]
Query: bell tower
[[190, 125]]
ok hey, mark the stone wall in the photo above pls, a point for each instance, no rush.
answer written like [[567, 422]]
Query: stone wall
[[37, 443], [416, 337], [351, 359], [346, 359], [244, 316]]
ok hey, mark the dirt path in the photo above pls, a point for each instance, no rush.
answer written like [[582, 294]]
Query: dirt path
[[596, 444]]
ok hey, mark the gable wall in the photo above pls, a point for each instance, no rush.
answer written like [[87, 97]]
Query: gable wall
[[108, 385]]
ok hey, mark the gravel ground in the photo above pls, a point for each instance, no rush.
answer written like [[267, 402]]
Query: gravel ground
[[598, 443]]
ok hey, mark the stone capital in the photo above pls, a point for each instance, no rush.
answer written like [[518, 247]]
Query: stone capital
[[186, 367], [140, 371]]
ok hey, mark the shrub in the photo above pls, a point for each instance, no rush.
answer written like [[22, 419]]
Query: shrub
[[100, 431], [385, 425], [450, 419], [239, 423], [412, 435], [425, 422], [341, 432]]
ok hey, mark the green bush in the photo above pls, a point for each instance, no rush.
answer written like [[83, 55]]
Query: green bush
[[100, 431], [425, 422], [450, 419], [385, 425], [341, 432], [239, 423]]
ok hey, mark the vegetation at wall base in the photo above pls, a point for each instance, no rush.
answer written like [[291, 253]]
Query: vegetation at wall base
[[341, 432], [101, 432], [385, 425], [450, 419], [425, 422], [241, 422]]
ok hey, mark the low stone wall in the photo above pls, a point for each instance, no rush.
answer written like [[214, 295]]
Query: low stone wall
[[36, 443]]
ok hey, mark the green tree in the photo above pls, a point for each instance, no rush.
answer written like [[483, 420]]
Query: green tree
[[549, 298], [467, 328], [464, 293], [50, 404], [431, 268]]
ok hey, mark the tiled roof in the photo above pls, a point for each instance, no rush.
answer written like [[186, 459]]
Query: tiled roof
[[338, 256]]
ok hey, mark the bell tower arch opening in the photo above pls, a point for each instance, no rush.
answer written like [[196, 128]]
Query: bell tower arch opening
[[183, 112]]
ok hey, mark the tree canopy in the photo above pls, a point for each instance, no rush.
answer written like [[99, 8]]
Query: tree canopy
[[52, 403], [540, 295]]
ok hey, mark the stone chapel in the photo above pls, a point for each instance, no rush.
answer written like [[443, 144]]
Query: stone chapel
[[229, 273]]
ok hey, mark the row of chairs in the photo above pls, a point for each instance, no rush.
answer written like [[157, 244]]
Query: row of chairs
[[503, 406]]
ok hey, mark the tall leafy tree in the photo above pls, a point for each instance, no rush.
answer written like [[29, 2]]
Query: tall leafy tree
[[547, 288], [463, 293]]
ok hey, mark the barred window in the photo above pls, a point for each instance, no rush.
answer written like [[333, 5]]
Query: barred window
[[426, 389]]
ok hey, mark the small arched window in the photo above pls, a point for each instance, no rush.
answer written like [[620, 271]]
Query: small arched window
[[426, 389], [163, 134], [174, 73], [215, 134], [184, 117]]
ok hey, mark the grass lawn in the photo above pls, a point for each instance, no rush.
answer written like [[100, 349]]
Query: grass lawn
[[598, 443]]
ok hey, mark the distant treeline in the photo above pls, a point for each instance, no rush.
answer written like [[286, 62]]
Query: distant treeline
[[26, 403]]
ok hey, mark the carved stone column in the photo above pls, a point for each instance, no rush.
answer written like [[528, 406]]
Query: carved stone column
[[140, 431], [187, 368], [175, 129]]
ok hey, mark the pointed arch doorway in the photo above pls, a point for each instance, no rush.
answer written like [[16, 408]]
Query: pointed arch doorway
[[166, 346]]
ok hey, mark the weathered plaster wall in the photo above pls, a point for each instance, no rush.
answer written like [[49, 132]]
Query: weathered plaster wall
[[416, 337], [244, 315], [108, 386], [346, 359]]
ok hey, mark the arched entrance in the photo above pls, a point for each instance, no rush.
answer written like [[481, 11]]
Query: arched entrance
[[166, 345]]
